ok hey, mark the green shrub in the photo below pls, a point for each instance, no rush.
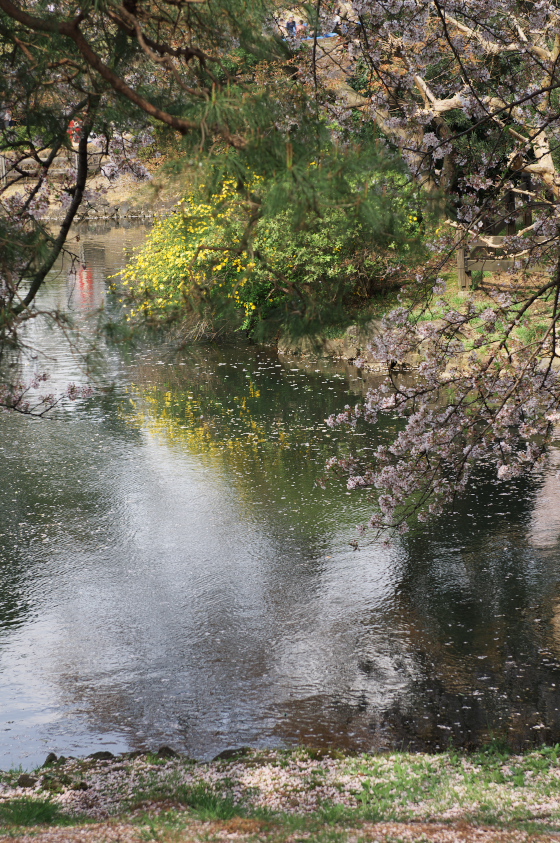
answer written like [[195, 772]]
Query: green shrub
[[269, 269]]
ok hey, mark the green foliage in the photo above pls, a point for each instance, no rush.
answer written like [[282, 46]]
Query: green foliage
[[299, 252]]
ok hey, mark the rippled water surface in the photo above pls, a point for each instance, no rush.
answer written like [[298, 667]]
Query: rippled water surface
[[172, 573]]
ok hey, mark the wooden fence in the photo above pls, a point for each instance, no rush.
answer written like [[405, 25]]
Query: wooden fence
[[15, 169], [484, 254], [479, 254]]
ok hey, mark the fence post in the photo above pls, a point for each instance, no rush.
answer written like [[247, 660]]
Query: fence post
[[463, 275], [511, 226]]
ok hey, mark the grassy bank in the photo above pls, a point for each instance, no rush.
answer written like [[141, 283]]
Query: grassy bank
[[354, 341], [288, 796]]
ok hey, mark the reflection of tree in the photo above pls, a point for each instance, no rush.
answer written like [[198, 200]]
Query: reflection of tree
[[470, 660], [253, 633], [45, 503], [260, 421], [44, 498], [545, 521], [476, 607], [14, 604], [245, 662]]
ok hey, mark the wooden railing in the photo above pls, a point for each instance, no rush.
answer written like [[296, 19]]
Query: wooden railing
[[480, 254], [30, 167]]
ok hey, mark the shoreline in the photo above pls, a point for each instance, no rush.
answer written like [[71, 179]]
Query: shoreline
[[286, 796]]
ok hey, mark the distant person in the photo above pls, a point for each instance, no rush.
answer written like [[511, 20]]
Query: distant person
[[291, 27], [7, 119], [337, 22], [356, 28], [301, 30], [74, 130]]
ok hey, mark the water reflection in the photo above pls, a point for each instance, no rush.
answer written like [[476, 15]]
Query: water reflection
[[545, 520], [172, 573]]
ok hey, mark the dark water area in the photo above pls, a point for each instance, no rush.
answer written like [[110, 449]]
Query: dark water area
[[171, 572]]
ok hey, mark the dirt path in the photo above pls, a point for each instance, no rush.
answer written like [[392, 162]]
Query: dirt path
[[240, 829]]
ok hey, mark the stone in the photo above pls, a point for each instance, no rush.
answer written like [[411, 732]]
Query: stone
[[167, 752], [55, 784], [226, 754], [102, 755], [25, 780], [50, 759]]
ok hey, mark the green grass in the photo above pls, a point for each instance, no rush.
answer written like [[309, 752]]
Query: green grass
[[203, 802], [29, 812], [206, 804], [392, 788], [493, 786]]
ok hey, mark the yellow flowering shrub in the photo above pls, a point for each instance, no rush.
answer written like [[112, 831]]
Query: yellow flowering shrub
[[184, 256], [198, 258]]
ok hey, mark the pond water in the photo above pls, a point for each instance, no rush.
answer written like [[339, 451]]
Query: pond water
[[172, 573]]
